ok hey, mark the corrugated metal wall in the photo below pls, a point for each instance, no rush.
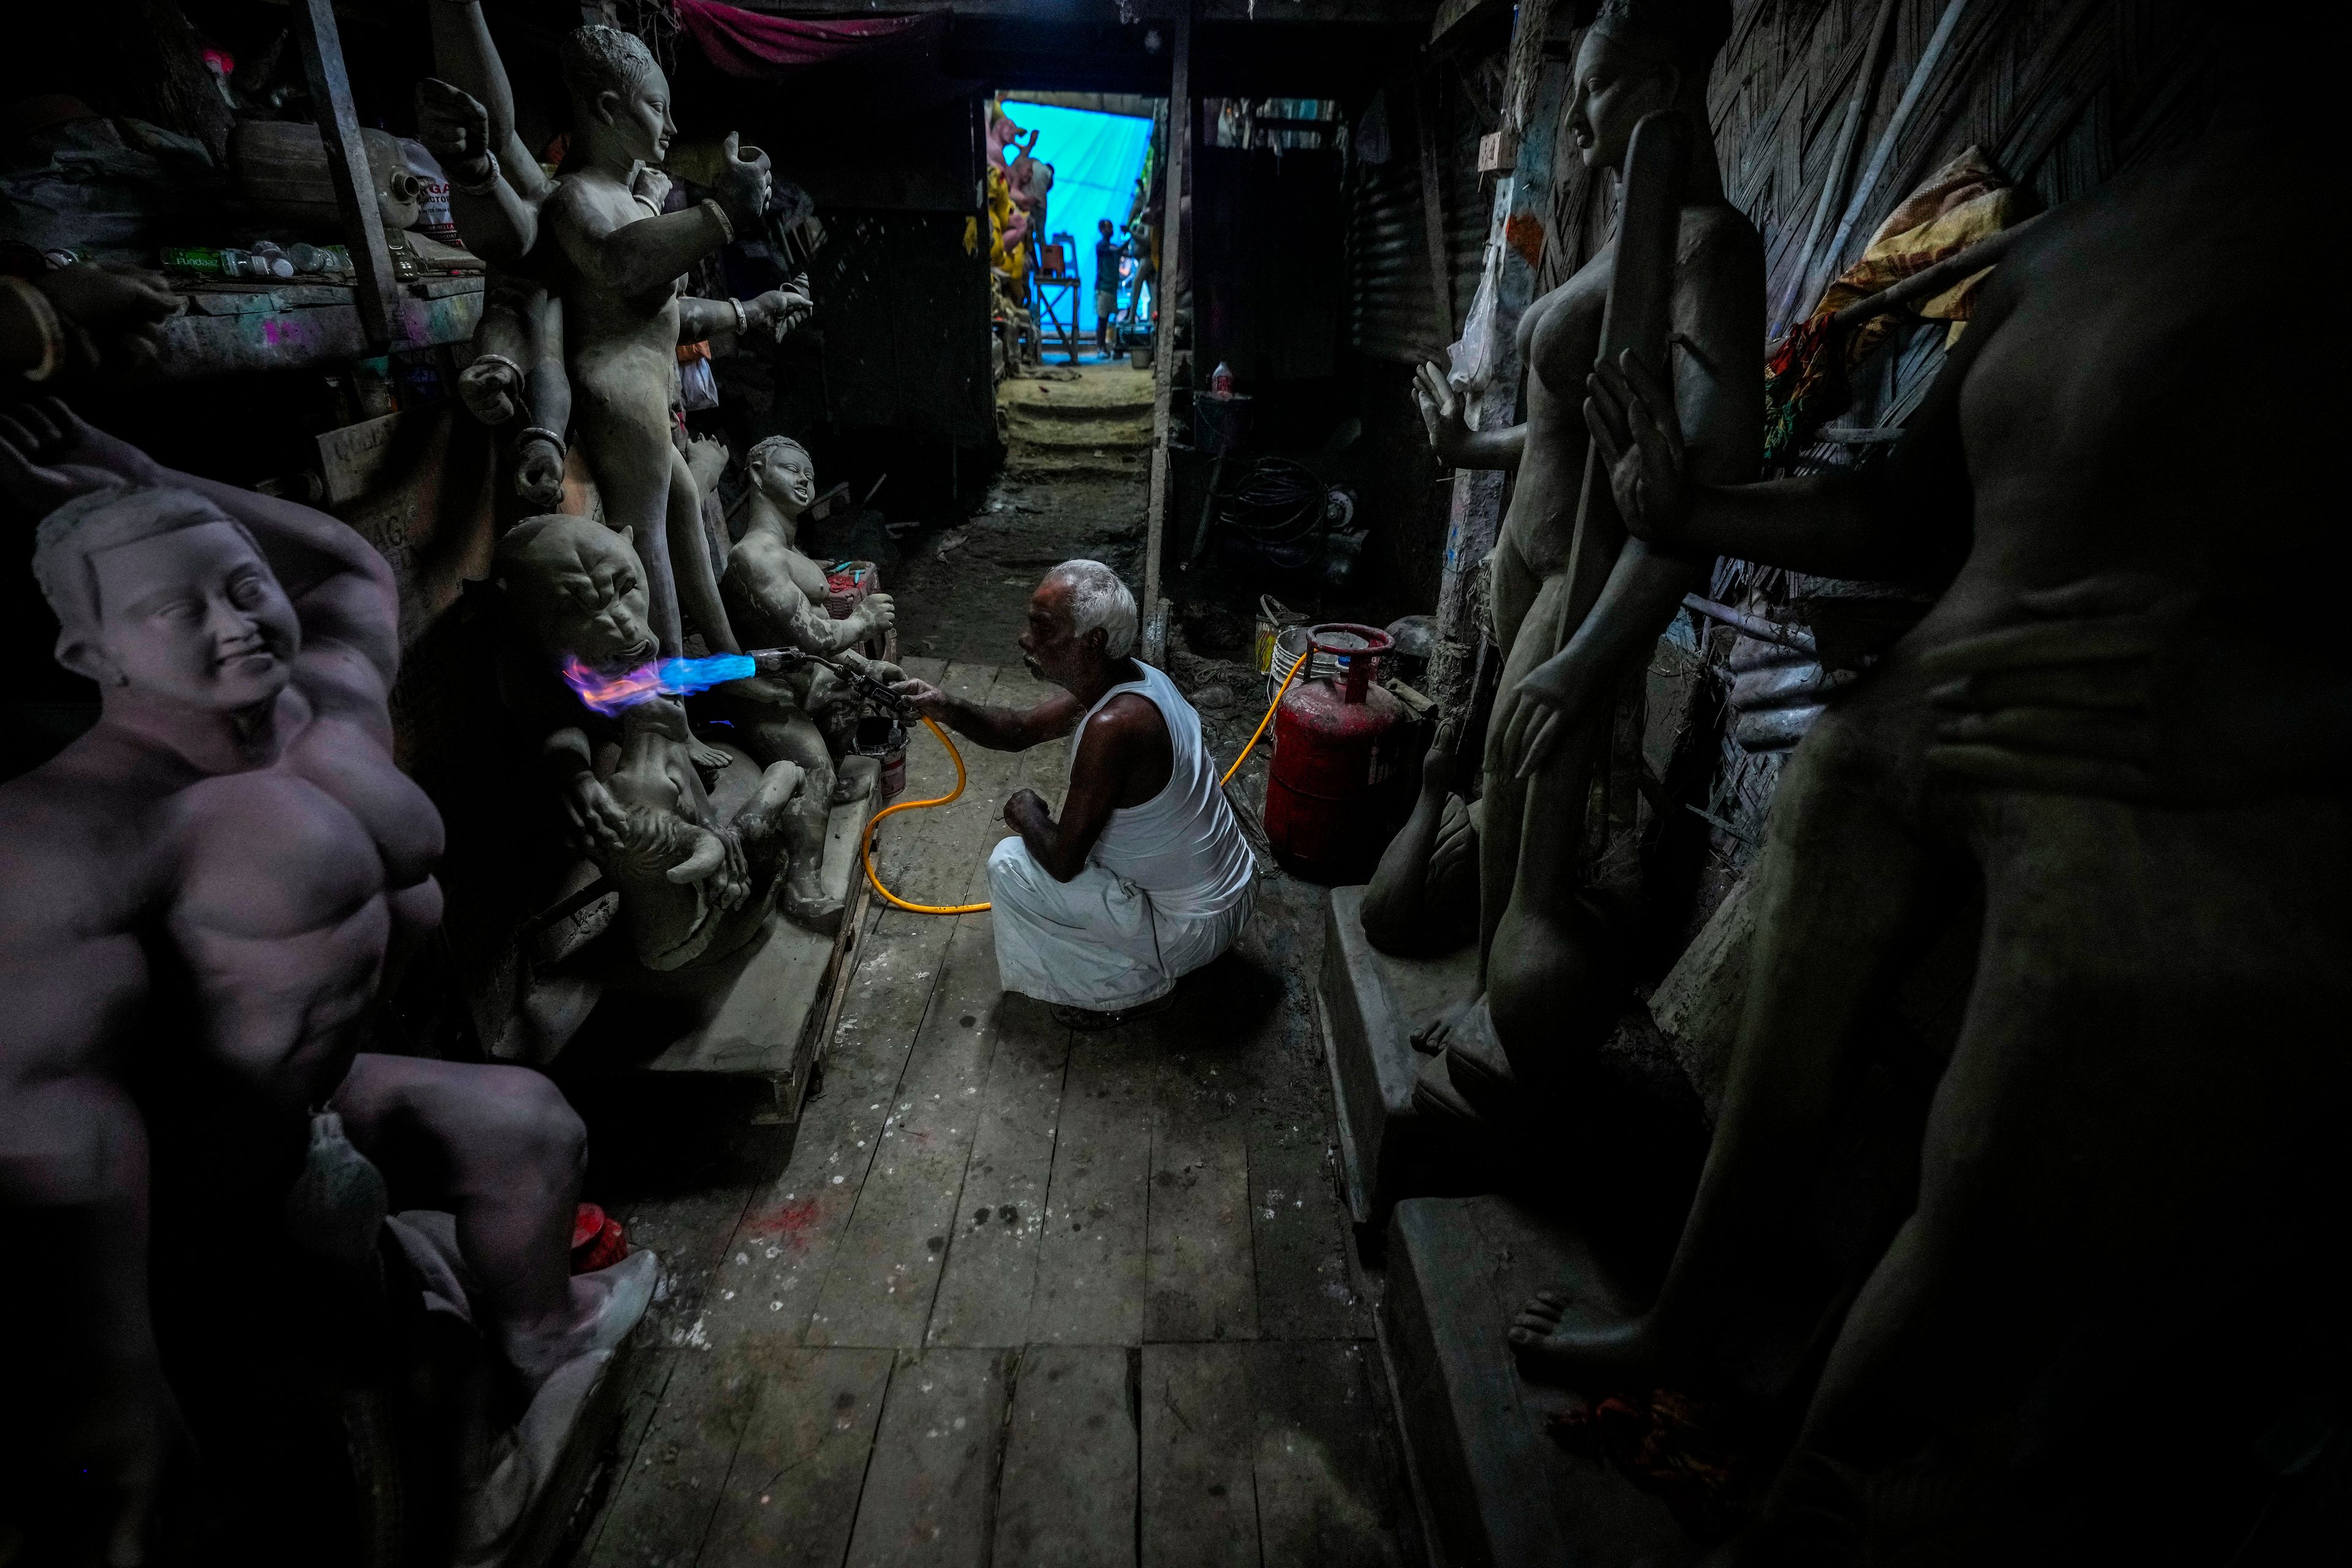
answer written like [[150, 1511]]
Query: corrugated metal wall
[[1393, 311]]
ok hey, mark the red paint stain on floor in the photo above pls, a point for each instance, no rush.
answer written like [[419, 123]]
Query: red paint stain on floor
[[790, 1224]]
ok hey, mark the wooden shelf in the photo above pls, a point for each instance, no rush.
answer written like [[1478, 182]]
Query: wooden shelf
[[231, 327]]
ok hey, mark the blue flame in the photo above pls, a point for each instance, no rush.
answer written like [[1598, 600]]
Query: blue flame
[[685, 677]]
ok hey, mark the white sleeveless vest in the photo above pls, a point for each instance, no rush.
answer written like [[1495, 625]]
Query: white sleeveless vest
[[1184, 846]]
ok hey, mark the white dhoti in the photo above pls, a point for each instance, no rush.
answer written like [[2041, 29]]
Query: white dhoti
[[1096, 941]]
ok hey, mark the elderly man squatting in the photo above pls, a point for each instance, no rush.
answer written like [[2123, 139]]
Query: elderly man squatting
[[1146, 877]]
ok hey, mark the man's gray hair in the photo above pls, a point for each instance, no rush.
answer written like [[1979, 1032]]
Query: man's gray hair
[[1097, 598]]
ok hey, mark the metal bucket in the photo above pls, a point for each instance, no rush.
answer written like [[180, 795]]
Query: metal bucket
[[884, 739], [1290, 646]]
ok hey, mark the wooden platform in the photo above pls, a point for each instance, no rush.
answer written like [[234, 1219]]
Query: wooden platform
[[1018, 1295], [762, 1014], [1369, 1006], [1496, 1489]]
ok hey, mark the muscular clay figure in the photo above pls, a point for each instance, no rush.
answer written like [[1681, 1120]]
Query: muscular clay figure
[[2117, 717], [199, 896], [1553, 978]]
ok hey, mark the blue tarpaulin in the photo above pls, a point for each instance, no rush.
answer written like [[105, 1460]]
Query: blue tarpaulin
[[1096, 159]]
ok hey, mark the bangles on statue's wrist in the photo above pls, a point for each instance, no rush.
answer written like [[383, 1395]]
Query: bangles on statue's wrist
[[542, 432], [483, 186]]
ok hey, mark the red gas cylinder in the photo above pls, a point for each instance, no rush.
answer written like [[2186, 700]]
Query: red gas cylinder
[[1335, 744]]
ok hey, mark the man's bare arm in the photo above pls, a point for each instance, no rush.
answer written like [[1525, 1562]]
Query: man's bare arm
[[998, 729], [1108, 752]]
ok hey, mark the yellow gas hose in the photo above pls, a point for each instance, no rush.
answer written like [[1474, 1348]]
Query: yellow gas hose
[[867, 845]]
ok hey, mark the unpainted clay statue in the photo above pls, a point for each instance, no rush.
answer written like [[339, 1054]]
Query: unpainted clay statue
[[777, 596], [2117, 720], [1423, 897], [1552, 966], [617, 258], [198, 897], [495, 189], [499, 197], [692, 887]]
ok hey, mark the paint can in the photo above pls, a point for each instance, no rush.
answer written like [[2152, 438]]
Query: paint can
[[1273, 615], [883, 738]]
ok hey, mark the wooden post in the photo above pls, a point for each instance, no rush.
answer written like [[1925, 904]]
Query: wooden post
[[1169, 285], [1517, 231], [347, 163]]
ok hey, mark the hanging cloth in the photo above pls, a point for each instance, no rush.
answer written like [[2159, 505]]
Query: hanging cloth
[[745, 44]]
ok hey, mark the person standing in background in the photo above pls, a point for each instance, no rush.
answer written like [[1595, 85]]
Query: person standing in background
[[1108, 253]]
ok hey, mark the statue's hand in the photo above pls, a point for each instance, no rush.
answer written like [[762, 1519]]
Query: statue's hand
[[47, 457], [491, 389], [1630, 413], [1441, 413], [109, 313], [779, 310], [1546, 703], [742, 185], [1437, 767], [538, 472], [879, 612], [651, 186], [2117, 691], [456, 129], [599, 823], [715, 860]]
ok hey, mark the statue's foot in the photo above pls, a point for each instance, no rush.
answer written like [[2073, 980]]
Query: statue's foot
[[1592, 1352], [1435, 1097], [605, 1305], [1431, 1037], [707, 757], [806, 904]]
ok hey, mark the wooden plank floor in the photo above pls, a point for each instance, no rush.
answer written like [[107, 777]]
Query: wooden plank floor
[[1017, 1295]]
